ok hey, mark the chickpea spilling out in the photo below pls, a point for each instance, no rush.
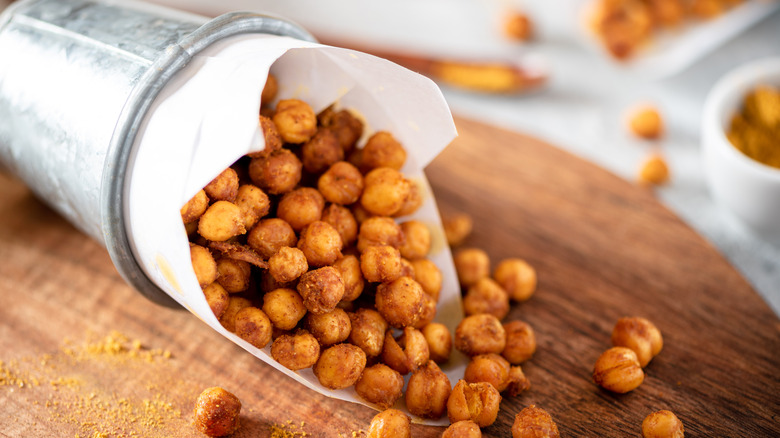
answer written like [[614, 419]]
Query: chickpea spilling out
[[639, 335], [216, 412], [662, 424], [533, 422], [618, 370], [391, 423]]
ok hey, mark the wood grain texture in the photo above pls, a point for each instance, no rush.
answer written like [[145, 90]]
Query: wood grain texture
[[602, 249]]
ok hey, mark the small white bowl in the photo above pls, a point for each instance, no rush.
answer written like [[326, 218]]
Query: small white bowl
[[747, 188]]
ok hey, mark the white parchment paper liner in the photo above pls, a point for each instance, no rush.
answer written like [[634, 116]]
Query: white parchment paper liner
[[206, 118]]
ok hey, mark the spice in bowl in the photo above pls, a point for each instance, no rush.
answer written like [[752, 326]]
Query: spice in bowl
[[755, 129]]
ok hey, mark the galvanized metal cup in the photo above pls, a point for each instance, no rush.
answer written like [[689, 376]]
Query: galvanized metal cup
[[77, 78]]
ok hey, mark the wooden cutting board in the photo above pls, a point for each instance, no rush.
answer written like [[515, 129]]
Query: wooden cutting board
[[603, 248]]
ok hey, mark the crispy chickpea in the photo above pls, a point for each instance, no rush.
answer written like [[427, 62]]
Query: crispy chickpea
[[390, 423], [400, 302], [224, 187], [253, 326], [439, 341], [462, 429], [427, 391], [654, 171], [407, 353], [269, 90], [517, 277], [343, 221], [321, 289], [533, 422], [348, 128], [486, 296], [428, 312], [380, 385], [287, 264], [320, 243], [329, 328], [301, 207], [517, 381], [295, 120], [379, 230], [195, 207], [480, 334], [477, 402], [254, 204], [520, 342], [284, 307], [618, 370], [268, 236], [235, 305], [384, 191], [217, 298], [234, 275], [341, 184], [381, 264], [221, 221], [639, 335], [340, 366], [217, 412], [662, 424], [490, 368], [518, 26], [297, 351], [277, 173], [457, 228], [321, 151], [203, 264], [273, 141], [417, 240], [349, 269], [646, 122], [368, 331], [413, 200], [472, 265], [429, 276], [383, 150]]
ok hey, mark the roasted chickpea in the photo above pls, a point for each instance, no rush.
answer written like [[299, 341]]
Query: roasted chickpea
[[518, 26], [439, 341], [195, 207], [221, 221], [284, 307], [417, 241], [234, 305], [480, 334], [224, 187], [427, 391], [287, 264], [517, 277], [533, 422], [618, 370], [640, 335], [301, 207], [517, 381], [343, 221], [253, 326], [490, 368], [383, 150], [407, 270], [269, 90], [380, 385], [321, 151], [654, 171], [340, 366], [646, 122], [254, 204], [472, 264], [360, 213], [428, 312], [477, 402], [341, 184], [234, 275], [297, 351], [321, 289], [217, 412], [462, 429], [400, 302], [662, 424], [329, 328], [203, 264], [486, 296], [269, 235], [381, 264], [217, 298], [348, 128], [429, 276], [413, 200], [349, 269], [295, 120], [379, 230], [457, 228], [384, 191], [273, 141], [391, 423], [320, 243], [277, 173], [368, 331], [520, 342], [407, 353]]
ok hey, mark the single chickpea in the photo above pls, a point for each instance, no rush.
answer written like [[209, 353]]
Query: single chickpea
[[321, 289], [380, 385], [273, 141], [412, 201], [654, 171], [284, 307], [640, 335], [384, 191], [320, 243], [379, 230], [253, 326], [217, 412], [427, 391], [390, 423], [203, 264], [407, 353], [254, 204], [269, 90], [520, 342], [533, 422], [224, 187], [429, 276], [518, 26], [349, 269], [428, 312], [662, 424], [517, 381], [217, 298], [277, 173], [383, 150], [329, 328], [234, 275], [417, 242], [646, 122], [321, 151], [400, 302], [457, 228], [463, 429], [301, 207], [486, 296], [381, 264], [340, 366], [477, 402], [490, 368], [195, 207], [341, 184], [296, 352], [295, 120], [368, 331], [517, 277], [287, 264], [618, 370], [439, 341], [343, 221], [480, 334], [234, 305], [268, 236], [472, 265], [221, 221], [348, 128]]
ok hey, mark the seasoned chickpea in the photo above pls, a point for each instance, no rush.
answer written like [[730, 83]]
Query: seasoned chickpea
[[486, 296], [321, 151], [273, 141], [517, 277], [329, 328], [320, 243], [295, 120], [428, 312], [407, 270], [480, 334], [379, 230], [297, 351], [343, 221], [417, 241], [341, 184], [269, 90], [360, 213], [195, 207], [253, 326], [472, 264], [349, 269], [224, 187], [368, 331], [400, 302], [427, 391], [254, 204], [533, 422], [384, 191], [235, 305], [477, 402], [383, 150], [217, 298], [203, 264], [462, 429], [277, 173], [407, 353], [457, 228], [654, 170], [439, 341], [662, 424], [287, 264], [381, 264], [340, 366], [490, 368], [390, 423], [301, 207], [269, 235], [517, 381], [413, 200], [380, 385], [646, 122], [234, 275], [221, 221], [520, 342], [217, 412], [429, 276], [348, 128], [640, 335], [284, 307], [618, 370], [321, 289]]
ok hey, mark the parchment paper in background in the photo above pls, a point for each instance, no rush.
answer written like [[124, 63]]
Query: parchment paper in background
[[206, 118]]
